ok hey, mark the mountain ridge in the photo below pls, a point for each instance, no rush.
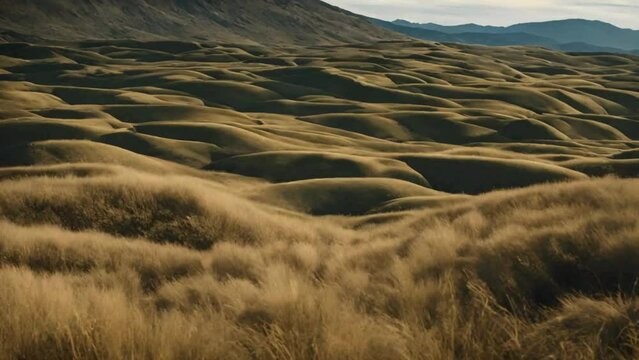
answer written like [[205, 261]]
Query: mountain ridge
[[243, 21], [577, 35]]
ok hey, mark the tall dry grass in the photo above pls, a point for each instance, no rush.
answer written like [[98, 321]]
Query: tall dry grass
[[141, 267]]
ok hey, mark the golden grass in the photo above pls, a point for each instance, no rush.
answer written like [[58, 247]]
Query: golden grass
[[173, 209], [468, 280]]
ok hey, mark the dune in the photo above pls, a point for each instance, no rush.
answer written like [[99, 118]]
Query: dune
[[166, 99], [530, 99], [171, 112], [285, 89], [531, 129], [627, 99], [231, 139], [167, 46], [627, 126], [441, 127], [372, 125], [274, 166], [191, 153], [577, 128], [579, 102], [552, 148], [326, 196], [23, 131], [307, 108], [628, 154], [20, 98], [81, 151], [78, 96], [26, 51], [413, 203], [627, 168], [332, 82], [69, 113], [475, 174], [228, 93]]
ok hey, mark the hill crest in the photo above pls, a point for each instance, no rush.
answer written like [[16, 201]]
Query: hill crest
[[237, 21]]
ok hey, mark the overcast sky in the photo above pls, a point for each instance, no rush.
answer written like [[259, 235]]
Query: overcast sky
[[623, 13]]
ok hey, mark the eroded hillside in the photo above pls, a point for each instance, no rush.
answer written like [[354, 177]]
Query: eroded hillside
[[236, 21]]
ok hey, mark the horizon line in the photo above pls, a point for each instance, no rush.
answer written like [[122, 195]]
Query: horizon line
[[514, 24]]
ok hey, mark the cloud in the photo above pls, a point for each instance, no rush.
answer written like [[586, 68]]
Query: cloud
[[496, 12]]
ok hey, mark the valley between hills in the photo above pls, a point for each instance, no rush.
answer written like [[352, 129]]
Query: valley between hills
[[385, 200]]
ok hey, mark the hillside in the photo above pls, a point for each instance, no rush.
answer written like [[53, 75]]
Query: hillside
[[391, 200], [569, 35], [252, 21]]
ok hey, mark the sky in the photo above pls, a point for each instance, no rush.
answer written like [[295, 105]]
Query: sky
[[623, 13]]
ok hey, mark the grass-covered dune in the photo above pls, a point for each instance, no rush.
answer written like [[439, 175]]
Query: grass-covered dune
[[125, 264], [396, 200]]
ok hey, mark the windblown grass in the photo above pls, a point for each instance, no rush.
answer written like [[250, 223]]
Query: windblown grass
[[548, 271]]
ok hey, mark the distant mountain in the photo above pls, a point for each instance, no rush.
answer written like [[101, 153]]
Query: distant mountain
[[586, 31], [491, 39], [454, 29], [568, 35], [505, 39], [253, 21], [583, 47], [593, 32], [416, 32]]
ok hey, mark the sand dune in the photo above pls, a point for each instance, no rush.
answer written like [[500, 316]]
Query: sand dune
[[308, 165], [328, 196], [485, 174], [412, 111]]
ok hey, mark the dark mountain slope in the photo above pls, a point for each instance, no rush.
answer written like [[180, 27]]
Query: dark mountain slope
[[262, 21], [415, 32]]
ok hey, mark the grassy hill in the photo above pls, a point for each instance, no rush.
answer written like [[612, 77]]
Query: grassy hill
[[389, 200]]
